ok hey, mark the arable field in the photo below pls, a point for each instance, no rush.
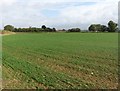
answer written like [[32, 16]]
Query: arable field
[[60, 60]]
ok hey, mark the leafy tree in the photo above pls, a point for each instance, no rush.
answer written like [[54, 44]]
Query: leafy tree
[[63, 30], [9, 28], [15, 30], [117, 29], [91, 28], [19, 29], [95, 27], [74, 30], [112, 26], [104, 28], [54, 30], [43, 27]]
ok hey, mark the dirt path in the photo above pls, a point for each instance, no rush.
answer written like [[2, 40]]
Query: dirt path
[[7, 34]]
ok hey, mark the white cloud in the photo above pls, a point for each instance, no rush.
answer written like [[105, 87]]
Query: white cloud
[[98, 13], [26, 13], [82, 16], [7, 2], [74, 1], [3, 4]]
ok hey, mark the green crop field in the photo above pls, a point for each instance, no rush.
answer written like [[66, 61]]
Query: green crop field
[[60, 60]]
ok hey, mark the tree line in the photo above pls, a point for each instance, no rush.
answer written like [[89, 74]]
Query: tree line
[[112, 27], [30, 29]]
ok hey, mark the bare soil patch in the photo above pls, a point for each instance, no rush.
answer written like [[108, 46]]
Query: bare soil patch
[[3, 33]]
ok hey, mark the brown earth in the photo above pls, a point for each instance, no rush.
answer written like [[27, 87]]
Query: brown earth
[[7, 33]]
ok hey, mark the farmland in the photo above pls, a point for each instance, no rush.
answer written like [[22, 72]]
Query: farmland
[[60, 60]]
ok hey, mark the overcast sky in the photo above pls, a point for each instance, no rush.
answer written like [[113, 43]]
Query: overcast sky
[[57, 13]]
